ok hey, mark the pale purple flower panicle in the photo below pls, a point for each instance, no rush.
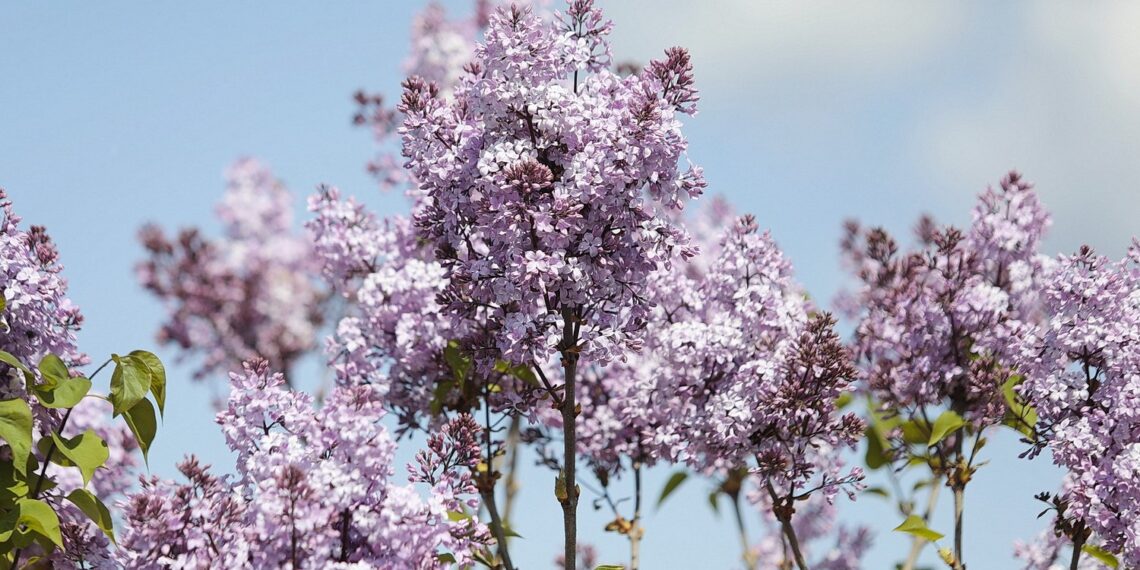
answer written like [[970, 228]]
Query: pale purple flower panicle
[[440, 51], [935, 324], [39, 319], [544, 180], [395, 332], [735, 372], [1082, 375], [251, 294], [314, 489]]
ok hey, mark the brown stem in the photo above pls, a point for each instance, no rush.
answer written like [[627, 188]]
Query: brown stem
[[748, 556], [1078, 544], [959, 499], [917, 543], [569, 352], [790, 532], [497, 527], [635, 531], [514, 435], [784, 510], [487, 492]]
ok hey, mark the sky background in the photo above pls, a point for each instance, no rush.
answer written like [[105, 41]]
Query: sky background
[[115, 114]]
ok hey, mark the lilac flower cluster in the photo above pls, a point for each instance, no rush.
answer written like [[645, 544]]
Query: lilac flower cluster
[[1082, 375], [251, 294], [935, 324], [441, 48], [737, 371], [39, 319], [544, 176], [395, 334], [314, 490]]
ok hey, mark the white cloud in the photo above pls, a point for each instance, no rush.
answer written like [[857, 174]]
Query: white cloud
[[1064, 108], [738, 44]]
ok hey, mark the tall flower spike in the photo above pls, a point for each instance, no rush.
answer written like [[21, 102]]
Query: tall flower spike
[[313, 490], [582, 243], [1081, 377], [935, 324], [253, 294]]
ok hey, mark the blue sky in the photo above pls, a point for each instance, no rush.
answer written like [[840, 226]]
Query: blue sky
[[114, 114]]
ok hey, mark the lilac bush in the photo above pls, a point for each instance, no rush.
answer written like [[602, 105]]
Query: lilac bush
[[551, 290]]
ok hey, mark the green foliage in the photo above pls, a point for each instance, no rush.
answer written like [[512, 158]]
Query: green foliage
[[1019, 415], [1101, 555], [671, 485], [65, 393], [157, 376], [12, 361], [946, 424], [16, 429], [143, 424], [26, 518], [87, 451], [520, 371], [94, 509], [914, 525], [38, 517], [129, 383]]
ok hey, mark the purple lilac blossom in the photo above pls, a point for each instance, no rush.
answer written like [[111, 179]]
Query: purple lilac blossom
[[314, 489], [544, 178], [252, 293], [1082, 375], [934, 325]]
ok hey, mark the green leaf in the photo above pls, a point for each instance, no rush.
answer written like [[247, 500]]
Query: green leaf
[[520, 371], [914, 525], [439, 394], [95, 510], [63, 394], [1019, 416], [1103, 556], [446, 557], [40, 518], [16, 429], [878, 491], [507, 530], [460, 363], [714, 502], [129, 383], [157, 376], [916, 431], [946, 424], [876, 455], [671, 485], [844, 400], [142, 422], [53, 369], [610, 567], [15, 363], [87, 451]]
